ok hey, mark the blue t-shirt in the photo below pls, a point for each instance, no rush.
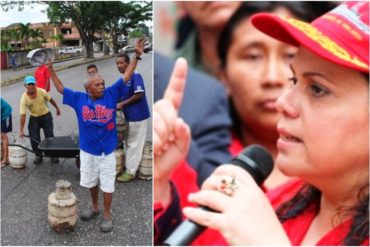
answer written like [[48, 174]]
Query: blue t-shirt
[[139, 110], [96, 119], [6, 109]]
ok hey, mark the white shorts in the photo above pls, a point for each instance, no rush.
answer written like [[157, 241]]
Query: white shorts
[[94, 168]]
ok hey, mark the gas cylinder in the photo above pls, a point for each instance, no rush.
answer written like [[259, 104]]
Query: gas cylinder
[[17, 157], [121, 128], [62, 209], [120, 160], [145, 167]]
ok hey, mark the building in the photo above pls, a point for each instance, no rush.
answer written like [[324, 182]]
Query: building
[[71, 36]]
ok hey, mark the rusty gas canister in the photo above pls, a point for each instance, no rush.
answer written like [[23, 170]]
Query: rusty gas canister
[[62, 208], [146, 164], [120, 160]]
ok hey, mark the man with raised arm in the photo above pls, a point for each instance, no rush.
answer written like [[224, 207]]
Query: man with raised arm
[[96, 116]]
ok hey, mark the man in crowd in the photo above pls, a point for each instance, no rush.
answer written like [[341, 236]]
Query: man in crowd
[[42, 76], [91, 69], [136, 112], [96, 114], [35, 99]]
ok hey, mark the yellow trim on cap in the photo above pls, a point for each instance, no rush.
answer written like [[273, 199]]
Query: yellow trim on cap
[[325, 42]]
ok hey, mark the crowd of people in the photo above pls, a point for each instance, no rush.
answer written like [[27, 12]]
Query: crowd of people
[[289, 85]]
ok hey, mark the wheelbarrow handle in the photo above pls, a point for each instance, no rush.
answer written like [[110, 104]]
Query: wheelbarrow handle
[[33, 139], [18, 145]]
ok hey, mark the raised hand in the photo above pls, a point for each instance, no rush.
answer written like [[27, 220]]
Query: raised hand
[[139, 46], [171, 134]]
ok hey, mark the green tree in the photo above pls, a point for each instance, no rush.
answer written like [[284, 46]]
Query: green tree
[[10, 35], [5, 40], [37, 36], [87, 16], [125, 16], [24, 32], [57, 37], [136, 33]]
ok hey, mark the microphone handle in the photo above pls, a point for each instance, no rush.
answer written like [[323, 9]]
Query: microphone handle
[[192, 230]]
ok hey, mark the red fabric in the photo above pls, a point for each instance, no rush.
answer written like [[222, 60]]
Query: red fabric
[[236, 145], [169, 215], [340, 36], [158, 211], [284, 192], [184, 178], [295, 228], [42, 75]]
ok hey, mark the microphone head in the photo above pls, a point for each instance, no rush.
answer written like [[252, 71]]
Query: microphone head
[[257, 161]]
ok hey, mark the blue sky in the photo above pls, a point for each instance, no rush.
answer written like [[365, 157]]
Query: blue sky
[[28, 14]]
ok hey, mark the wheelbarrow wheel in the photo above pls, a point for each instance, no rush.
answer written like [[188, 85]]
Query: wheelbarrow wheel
[[78, 163]]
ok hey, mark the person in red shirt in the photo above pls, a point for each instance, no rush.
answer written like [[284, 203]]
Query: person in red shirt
[[323, 140], [42, 76], [319, 142], [254, 68]]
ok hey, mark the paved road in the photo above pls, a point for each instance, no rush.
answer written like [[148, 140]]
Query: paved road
[[24, 192]]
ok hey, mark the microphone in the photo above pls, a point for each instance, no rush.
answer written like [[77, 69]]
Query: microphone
[[257, 161]]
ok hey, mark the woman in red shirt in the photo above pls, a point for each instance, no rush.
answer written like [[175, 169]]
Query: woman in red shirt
[[323, 139]]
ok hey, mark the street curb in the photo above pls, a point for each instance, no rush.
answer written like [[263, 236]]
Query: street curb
[[20, 77]]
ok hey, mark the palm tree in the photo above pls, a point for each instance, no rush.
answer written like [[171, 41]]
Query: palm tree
[[24, 30], [5, 37], [14, 35], [57, 37], [36, 34]]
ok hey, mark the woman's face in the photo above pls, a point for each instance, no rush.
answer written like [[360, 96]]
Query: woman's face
[[256, 73], [324, 128]]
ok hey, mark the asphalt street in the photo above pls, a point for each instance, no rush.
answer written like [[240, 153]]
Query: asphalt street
[[24, 192]]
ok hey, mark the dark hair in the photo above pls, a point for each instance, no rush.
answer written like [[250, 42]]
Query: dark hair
[[309, 196], [91, 66], [184, 27], [306, 11], [124, 56]]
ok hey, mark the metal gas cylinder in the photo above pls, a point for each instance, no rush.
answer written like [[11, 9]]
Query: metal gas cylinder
[[62, 209], [121, 124], [120, 160], [146, 164], [17, 157]]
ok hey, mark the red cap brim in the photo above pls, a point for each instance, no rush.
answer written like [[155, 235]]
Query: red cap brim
[[298, 33]]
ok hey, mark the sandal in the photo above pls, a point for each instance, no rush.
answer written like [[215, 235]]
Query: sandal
[[88, 214], [106, 225]]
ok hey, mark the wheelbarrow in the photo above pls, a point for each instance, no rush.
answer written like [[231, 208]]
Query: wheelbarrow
[[57, 147]]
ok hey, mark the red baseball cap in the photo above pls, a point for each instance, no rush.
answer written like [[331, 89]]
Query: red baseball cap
[[340, 36]]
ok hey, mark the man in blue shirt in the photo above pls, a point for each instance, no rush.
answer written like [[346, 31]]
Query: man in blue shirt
[[96, 117], [136, 111]]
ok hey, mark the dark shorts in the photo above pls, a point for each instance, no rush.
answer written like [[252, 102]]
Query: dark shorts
[[6, 125]]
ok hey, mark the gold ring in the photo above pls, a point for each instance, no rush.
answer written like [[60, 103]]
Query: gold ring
[[227, 185]]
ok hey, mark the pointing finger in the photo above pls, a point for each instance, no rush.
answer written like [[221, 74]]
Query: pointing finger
[[176, 86]]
